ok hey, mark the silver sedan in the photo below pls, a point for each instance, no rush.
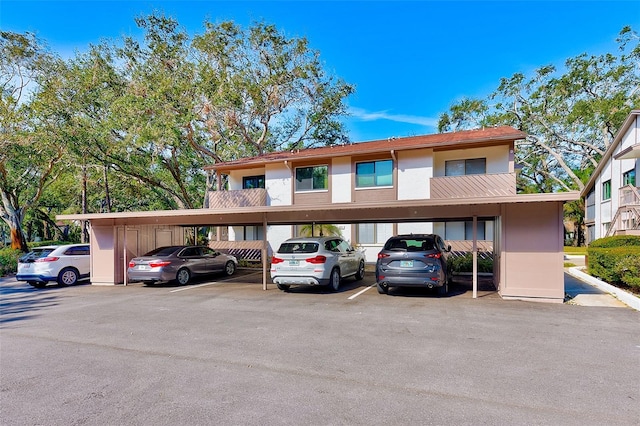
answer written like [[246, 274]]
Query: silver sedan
[[179, 263]]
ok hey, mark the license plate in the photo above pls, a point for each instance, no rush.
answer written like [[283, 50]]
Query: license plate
[[26, 266], [294, 262], [406, 263], [143, 267]]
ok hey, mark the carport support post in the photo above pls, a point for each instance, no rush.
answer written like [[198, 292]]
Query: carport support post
[[475, 256], [264, 251]]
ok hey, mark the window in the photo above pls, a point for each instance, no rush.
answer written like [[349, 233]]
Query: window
[[591, 205], [314, 178], [374, 173], [606, 191], [458, 231], [472, 166], [253, 233], [374, 233], [629, 178], [250, 182]]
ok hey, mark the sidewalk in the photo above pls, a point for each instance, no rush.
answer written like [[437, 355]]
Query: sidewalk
[[585, 290]]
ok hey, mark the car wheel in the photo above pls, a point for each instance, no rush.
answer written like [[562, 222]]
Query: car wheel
[[68, 276], [283, 287], [360, 273], [444, 290], [183, 276], [334, 280], [382, 288], [229, 268], [37, 284]]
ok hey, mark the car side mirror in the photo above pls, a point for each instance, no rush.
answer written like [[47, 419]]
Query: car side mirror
[[449, 247]]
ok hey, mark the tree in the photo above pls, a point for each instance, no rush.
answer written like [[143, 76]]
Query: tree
[[570, 118], [28, 148], [322, 229], [263, 92]]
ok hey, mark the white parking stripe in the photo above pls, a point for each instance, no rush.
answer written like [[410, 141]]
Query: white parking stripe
[[360, 292], [239, 278], [190, 287]]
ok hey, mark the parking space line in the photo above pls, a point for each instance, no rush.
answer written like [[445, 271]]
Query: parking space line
[[360, 292], [192, 286]]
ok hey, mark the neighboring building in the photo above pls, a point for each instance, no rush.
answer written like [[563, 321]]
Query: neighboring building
[[612, 195], [459, 185], [442, 166]]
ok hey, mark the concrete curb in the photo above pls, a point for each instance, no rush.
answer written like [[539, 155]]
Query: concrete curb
[[625, 297]]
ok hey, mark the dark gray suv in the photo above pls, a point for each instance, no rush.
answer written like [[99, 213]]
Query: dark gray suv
[[414, 260]]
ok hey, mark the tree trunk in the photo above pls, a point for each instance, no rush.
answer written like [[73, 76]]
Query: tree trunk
[[17, 237], [85, 233]]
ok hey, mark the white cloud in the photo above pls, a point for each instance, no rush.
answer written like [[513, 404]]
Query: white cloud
[[384, 115]]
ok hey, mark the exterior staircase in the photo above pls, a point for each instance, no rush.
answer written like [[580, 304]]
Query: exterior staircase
[[626, 221]]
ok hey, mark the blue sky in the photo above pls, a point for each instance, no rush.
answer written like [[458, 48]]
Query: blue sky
[[409, 60]]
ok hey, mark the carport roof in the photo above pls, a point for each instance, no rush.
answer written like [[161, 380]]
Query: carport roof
[[389, 211]]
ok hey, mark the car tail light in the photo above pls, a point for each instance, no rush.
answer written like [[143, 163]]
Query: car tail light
[[275, 260], [132, 264], [382, 255], [158, 263], [47, 259], [317, 259], [434, 255]]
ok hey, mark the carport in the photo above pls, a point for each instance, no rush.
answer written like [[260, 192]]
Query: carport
[[528, 249]]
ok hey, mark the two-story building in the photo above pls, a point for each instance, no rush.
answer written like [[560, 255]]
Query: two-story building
[[612, 195], [461, 185]]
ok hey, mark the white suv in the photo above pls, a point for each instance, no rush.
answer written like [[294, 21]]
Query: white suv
[[66, 264], [315, 261]]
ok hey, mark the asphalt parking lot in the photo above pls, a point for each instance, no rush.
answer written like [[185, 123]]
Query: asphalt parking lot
[[224, 351]]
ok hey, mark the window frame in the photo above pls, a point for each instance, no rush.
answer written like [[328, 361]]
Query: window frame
[[375, 174], [465, 164], [258, 179], [317, 166], [629, 177], [606, 190]]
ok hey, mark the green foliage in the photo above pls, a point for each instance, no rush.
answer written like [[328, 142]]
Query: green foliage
[[616, 241], [465, 264], [571, 114], [608, 263], [629, 269], [9, 260]]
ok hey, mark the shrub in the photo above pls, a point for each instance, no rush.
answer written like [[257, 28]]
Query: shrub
[[616, 241], [465, 263], [9, 260], [629, 269], [603, 262]]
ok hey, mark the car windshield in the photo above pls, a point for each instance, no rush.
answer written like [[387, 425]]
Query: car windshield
[[299, 247], [35, 254], [410, 244], [162, 251]]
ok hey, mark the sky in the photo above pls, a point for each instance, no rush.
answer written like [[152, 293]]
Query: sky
[[409, 60]]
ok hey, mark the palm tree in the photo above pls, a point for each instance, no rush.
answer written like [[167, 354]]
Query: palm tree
[[319, 230]]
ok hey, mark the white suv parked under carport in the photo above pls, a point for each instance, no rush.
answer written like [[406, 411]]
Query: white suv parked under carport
[[316, 261], [65, 264]]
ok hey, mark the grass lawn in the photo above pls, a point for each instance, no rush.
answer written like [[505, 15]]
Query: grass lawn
[[575, 250]]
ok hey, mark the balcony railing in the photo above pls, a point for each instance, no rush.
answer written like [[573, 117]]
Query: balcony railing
[[255, 197], [469, 186], [627, 218], [629, 195]]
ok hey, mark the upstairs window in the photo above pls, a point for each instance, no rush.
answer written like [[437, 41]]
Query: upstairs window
[[629, 178], [471, 166], [606, 190], [315, 178], [250, 182], [374, 173]]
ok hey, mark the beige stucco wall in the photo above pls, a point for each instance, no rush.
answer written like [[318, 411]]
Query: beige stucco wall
[[531, 266]]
